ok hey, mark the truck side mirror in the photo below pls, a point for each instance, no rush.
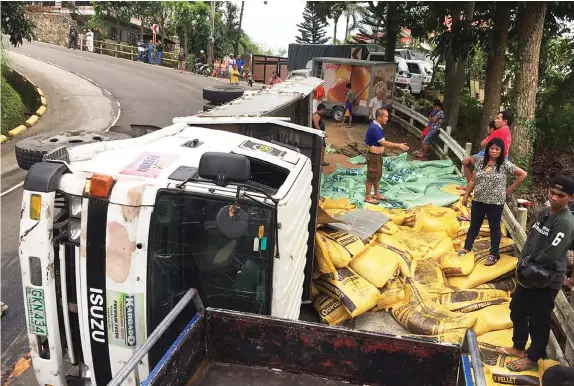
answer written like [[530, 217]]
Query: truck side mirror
[[224, 167]]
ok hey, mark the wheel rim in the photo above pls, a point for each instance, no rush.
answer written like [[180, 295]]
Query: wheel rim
[[338, 114]]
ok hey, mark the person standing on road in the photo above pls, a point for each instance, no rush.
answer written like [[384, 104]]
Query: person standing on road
[[141, 50], [90, 40], [181, 60], [540, 272], [375, 104], [240, 64], [375, 141], [234, 74], [158, 52], [348, 106], [73, 37], [490, 191], [230, 64], [150, 51], [319, 124], [436, 122]]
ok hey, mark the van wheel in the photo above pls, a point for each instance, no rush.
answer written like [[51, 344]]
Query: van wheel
[[31, 150], [338, 113]]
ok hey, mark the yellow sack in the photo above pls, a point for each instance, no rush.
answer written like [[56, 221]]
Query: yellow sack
[[460, 209], [472, 300], [485, 229], [356, 293], [392, 293], [314, 290], [331, 311], [336, 212], [492, 318], [350, 242], [415, 243], [336, 203], [454, 189], [411, 215], [444, 247], [454, 265], [493, 340], [483, 274], [448, 337], [324, 249], [390, 228], [428, 279], [436, 218], [497, 373], [481, 247], [507, 285], [425, 317], [397, 216], [462, 230], [376, 264]]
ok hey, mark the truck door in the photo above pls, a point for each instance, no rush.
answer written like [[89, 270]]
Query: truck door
[[416, 81]]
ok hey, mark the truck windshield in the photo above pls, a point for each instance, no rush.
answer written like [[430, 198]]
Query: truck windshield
[[187, 250]]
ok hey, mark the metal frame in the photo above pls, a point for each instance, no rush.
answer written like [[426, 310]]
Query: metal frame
[[470, 373], [132, 363]]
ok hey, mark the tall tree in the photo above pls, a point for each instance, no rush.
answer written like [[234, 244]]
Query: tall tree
[[331, 10], [495, 63], [191, 23], [373, 22], [391, 31], [530, 37], [15, 23], [143, 10], [352, 12], [239, 30], [312, 29]]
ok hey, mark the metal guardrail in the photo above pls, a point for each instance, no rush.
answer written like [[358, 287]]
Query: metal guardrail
[[563, 312], [131, 364]]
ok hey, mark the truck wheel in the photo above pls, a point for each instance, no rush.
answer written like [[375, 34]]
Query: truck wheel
[[222, 94], [31, 150], [338, 113], [209, 106]]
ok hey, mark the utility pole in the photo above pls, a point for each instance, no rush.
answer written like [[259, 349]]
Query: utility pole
[[210, 49]]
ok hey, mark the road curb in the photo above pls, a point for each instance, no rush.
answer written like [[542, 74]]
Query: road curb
[[31, 121]]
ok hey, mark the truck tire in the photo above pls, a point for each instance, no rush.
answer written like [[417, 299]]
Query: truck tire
[[209, 106], [338, 113], [31, 150], [222, 94]]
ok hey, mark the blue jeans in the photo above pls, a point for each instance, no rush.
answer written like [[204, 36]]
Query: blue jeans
[[481, 153], [158, 57]]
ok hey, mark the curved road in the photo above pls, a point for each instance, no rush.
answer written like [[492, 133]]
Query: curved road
[[146, 94]]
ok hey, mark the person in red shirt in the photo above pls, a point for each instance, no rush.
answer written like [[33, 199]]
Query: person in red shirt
[[503, 120]]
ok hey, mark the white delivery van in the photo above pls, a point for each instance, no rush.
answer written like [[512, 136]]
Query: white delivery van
[[417, 76]]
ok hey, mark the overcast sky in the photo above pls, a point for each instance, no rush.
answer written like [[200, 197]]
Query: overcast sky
[[275, 25]]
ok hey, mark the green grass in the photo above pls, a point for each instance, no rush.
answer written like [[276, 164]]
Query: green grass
[[13, 110]]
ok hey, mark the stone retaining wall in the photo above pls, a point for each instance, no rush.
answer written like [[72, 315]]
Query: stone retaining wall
[[52, 28]]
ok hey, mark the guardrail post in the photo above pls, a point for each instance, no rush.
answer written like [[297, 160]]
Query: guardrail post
[[521, 216], [411, 120], [445, 147], [467, 150], [81, 42], [116, 50]]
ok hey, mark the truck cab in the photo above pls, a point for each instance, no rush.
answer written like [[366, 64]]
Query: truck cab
[[417, 79], [113, 234]]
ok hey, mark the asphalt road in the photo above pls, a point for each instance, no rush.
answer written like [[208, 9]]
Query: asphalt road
[[141, 93]]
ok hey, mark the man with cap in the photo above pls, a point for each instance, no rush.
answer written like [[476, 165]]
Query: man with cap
[[540, 273]]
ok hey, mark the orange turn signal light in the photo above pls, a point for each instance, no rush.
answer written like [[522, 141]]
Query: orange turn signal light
[[99, 186]]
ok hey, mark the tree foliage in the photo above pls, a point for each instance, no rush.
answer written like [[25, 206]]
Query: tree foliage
[[312, 29], [15, 24]]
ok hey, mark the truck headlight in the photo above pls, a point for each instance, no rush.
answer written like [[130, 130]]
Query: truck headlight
[[75, 230], [75, 206]]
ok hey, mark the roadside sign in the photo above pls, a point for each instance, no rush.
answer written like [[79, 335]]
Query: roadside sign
[[356, 53], [155, 28]]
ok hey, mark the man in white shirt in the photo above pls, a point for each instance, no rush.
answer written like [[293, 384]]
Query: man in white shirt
[[375, 104], [232, 62]]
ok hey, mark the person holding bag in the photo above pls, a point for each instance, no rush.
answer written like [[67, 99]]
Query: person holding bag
[[540, 272]]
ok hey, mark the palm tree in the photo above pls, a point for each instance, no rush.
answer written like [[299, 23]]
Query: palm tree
[[353, 10]]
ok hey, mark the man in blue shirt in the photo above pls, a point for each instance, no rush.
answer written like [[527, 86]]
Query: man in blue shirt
[[375, 141]]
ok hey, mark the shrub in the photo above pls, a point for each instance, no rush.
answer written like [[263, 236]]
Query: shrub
[[13, 110]]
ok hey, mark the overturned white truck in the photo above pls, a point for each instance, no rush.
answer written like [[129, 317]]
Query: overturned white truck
[[114, 234]]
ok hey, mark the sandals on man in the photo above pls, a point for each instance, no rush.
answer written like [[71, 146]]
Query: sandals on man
[[373, 201], [491, 260], [522, 364], [507, 351], [462, 252]]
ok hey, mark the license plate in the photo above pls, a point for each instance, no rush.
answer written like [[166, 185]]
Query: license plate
[[36, 311]]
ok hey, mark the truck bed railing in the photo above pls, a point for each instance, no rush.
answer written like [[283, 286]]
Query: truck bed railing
[[470, 372], [131, 364]]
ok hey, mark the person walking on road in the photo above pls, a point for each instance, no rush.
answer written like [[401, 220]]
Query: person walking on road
[[150, 48], [540, 273], [348, 106], [90, 40], [490, 191], [375, 103], [181, 60], [158, 52], [141, 50], [73, 37], [375, 141]]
